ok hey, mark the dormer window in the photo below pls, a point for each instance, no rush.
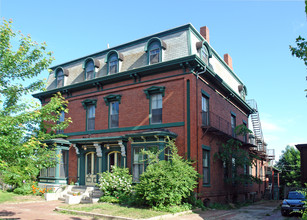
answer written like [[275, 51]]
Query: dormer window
[[154, 53], [60, 74], [113, 64], [205, 55], [204, 51], [60, 78], [154, 49], [114, 60], [90, 67], [89, 70]]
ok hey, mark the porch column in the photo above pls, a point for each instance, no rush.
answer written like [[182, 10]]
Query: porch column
[[78, 165], [123, 153], [99, 156], [57, 166]]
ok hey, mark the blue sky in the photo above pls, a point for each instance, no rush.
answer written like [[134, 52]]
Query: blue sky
[[256, 34]]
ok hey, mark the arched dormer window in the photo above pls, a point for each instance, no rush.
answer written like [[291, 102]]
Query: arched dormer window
[[154, 49], [90, 67], [204, 51], [113, 60], [60, 74]]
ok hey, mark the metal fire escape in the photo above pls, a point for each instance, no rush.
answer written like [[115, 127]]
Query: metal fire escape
[[255, 118]]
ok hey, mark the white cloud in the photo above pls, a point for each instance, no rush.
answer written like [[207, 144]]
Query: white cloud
[[270, 126]]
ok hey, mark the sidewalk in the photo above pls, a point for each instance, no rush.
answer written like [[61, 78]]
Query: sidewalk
[[35, 211]]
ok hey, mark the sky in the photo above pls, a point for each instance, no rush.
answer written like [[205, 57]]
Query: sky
[[256, 34]]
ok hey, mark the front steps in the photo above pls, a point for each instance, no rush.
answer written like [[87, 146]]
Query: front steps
[[80, 194]]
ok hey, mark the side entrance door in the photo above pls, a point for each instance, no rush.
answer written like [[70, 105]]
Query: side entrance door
[[90, 169]]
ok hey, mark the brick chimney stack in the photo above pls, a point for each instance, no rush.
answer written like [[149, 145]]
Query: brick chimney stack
[[228, 60], [204, 31]]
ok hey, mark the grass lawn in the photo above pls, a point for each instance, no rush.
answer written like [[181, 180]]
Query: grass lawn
[[115, 210], [9, 197]]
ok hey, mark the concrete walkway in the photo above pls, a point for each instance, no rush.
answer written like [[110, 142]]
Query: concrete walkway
[[267, 210], [35, 211]]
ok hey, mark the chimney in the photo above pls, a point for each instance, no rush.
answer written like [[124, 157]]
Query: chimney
[[228, 60], [204, 31]]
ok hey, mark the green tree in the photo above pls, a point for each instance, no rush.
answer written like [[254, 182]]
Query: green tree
[[300, 51], [22, 151], [290, 166]]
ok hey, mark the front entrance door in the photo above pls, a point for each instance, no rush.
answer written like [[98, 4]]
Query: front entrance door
[[114, 159], [90, 169]]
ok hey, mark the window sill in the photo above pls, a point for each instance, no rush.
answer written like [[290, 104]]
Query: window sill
[[206, 185]]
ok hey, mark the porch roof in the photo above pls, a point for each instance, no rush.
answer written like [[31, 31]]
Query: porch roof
[[97, 139]]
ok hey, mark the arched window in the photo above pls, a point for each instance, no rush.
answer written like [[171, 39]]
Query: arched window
[[113, 60], [89, 70], [205, 55], [113, 64], [59, 78], [114, 159], [154, 48], [60, 74], [154, 53], [90, 67], [204, 51]]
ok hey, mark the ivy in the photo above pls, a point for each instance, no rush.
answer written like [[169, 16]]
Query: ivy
[[234, 157]]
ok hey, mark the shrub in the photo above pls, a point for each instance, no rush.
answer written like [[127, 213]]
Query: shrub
[[117, 183], [23, 190], [166, 183], [109, 199]]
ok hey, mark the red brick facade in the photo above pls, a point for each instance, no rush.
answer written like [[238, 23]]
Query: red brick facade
[[184, 80]]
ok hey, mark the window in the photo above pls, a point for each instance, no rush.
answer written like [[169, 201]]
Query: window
[[90, 117], [140, 161], [63, 164], [114, 106], [205, 55], [113, 60], [113, 102], [90, 106], [61, 119], [59, 78], [154, 48], [47, 172], [233, 124], [206, 165], [256, 169], [233, 170], [113, 64], [155, 94], [156, 109], [154, 53], [225, 171], [245, 135], [89, 70], [204, 51], [205, 110], [114, 159]]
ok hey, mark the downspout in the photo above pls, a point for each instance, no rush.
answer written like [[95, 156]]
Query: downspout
[[197, 128]]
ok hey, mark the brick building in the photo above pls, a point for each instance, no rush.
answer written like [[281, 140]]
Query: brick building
[[303, 152], [138, 95]]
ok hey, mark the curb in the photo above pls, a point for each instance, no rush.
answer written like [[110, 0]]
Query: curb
[[119, 217], [92, 214]]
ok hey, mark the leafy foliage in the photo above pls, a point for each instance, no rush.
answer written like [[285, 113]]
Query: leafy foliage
[[166, 183], [234, 157], [115, 184], [23, 124], [301, 50], [289, 164]]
